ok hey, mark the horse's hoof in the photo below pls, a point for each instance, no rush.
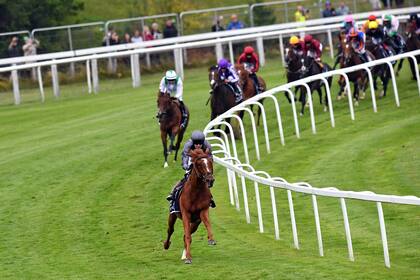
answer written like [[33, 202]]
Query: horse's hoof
[[212, 242], [339, 97], [325, 108], [166, 245], [184, 255], [165, 165], [363, 95], [356, 103], [188, 261], [301, 114], [381, 94]]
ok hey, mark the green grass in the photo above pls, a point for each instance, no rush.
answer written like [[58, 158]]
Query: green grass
[[82, 189]]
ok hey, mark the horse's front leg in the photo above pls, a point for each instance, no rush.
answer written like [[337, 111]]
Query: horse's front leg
[[400, 65], [204, 216], [163, 136], [171, 223], [178, 142], [356, 92], [172, 138], [186, 220]]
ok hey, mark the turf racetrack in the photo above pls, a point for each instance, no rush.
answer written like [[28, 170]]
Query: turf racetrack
[[82, 189]]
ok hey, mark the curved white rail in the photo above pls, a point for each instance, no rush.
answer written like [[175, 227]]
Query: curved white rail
[[234, 166]]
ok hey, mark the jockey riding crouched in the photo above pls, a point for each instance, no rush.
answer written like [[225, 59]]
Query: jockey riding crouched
[[365, 25], [391, 24], [197, 141], [357, 40], [313, 48], [172, 84], [251, 59], [227, 74], [348, 24], [296, 45], [376, 33]]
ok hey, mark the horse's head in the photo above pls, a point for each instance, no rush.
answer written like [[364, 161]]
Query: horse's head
[[202, 165], [163, 103], [243, 72], [213, 76]]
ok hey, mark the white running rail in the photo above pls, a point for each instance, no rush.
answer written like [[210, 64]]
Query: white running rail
[[226, 154]]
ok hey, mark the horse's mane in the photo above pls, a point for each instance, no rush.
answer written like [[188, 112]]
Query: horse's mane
[[196, 153]]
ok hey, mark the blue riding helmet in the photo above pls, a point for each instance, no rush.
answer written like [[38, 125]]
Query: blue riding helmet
[[223, 63], [198, 137]]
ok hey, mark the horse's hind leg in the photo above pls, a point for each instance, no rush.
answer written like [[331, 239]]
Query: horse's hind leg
[[400, 65], [171, 223], [178, 142], [204, 216]]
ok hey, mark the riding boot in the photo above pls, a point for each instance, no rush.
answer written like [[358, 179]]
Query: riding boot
[[337, 60], [364, 57], [256, 83], [184, 114], [212, 203], [238, 93]]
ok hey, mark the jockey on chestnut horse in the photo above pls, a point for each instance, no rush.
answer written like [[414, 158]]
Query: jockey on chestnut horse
[[173, 115], [249, 59], [193, 197]]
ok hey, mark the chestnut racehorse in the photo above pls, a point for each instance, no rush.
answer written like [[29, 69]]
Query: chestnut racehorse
[[194, 202], [170, 118]]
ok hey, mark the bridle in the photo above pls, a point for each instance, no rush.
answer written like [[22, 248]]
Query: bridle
[[206, 177]]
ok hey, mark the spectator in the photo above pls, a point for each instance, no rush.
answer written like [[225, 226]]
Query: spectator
[[343, 10], [376, 4], [217, 26], [169, 31], [147, 35], [13, 49], [156, 32], [30, 49], [300, 14], [127, 38], [329, 10], [115, 40], [136, 38], [235, 23]]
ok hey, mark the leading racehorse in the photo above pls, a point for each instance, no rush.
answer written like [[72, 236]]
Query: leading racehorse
[[194, 202], [170, 119]]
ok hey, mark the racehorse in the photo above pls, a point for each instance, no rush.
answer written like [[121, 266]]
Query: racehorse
[[359, 77], [413, 43], [194, 202], [248, 86], [294, 70], [378, 50], [222, 98], [309, 68], [389, 42], [170, 118]]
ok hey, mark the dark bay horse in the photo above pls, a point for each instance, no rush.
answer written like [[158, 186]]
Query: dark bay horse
[[194, 202], [248, 86], [309, 68], [359, 77], [222, 98], [413, 43], [170, 118], [382, 71], [294, 70]]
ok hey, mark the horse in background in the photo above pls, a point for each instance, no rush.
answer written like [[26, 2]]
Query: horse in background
[[194, 203], [382, 71], [170, 118], [293, 71], [413, 43], [248, 86], [222, 98]]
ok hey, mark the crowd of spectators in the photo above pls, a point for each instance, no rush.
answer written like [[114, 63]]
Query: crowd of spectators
[[147, 34]]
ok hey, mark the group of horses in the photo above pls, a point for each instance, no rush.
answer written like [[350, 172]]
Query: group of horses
[[300, 66], [195, 197]]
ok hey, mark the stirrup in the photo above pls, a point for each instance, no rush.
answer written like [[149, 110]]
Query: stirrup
[[212, 204], [169, 197]]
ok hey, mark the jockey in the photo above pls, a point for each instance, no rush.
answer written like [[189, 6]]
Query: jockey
[[227, 74], [415, 21], [365, 25], [296, 45], [391, 24], [358, 42], [172, 84], [250, 57], [313, 48], [376, 33], [197, 141], [348, 24]]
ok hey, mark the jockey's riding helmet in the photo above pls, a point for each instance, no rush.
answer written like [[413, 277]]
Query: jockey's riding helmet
[[387, 18], [223, 63], [170, 75], [372, 18], [373, 25], [197, 137], [294, 40], [349, 18], [353, 33], [308, 39], [248, 50], [413, 16]]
